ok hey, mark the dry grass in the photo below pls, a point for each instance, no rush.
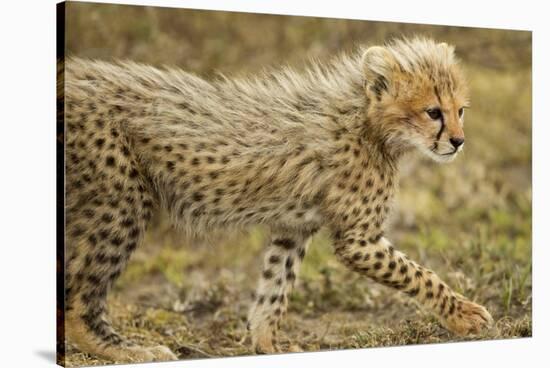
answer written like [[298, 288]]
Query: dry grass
[[469, 221]]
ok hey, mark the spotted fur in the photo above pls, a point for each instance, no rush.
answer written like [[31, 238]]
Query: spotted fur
[[294, 151]]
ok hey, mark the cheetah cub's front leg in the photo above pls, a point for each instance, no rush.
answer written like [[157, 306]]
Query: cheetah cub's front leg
[[377, 259], [280, 268]]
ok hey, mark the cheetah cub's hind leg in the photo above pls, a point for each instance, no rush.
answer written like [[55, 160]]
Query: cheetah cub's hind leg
[[101, 236], [282, 260]]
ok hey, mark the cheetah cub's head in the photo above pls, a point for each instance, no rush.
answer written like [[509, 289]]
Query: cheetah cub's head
[[417, 96]]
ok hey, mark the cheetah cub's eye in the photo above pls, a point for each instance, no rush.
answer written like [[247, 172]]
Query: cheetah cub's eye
[[461, 112], [434, 114]]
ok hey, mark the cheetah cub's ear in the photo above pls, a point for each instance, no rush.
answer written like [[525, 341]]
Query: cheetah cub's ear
[[378, 65]]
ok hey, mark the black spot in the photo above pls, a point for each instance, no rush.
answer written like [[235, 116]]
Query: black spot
[[274, 259], [93, 279], [125, 151], [92, 239], [440, 288], [170, 165], [115, 260], [379, 255], [291, 276], [451, 309], [104, 234], [133, 173], [130, 247], [289, 263], [110, 161], [197, 196], [99, 142], [376, 238], [134, 233], [268, 274], [89, 213], [378, 265], [127, 222], [107, 218], [285, 243], [101, 258], [117, 240]]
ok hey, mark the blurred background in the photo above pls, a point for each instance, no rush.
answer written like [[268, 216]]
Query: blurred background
[[470, 221]]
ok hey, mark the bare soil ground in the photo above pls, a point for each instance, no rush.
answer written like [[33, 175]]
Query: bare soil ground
[[469, 221]]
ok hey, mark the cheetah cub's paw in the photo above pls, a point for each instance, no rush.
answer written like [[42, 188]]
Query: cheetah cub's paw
[[269, 346], [162, 353], [264, 340], [469, 318], [143, 354], [265, 345]]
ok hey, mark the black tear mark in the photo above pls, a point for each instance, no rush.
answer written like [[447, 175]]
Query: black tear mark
[[442, 120]]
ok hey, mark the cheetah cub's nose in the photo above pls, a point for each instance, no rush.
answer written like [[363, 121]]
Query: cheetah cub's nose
[[456, 142]]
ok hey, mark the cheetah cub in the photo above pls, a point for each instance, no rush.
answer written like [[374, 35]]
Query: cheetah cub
[[294, 151]]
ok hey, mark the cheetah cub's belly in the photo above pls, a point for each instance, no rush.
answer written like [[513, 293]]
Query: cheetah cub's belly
[[305, 219]]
